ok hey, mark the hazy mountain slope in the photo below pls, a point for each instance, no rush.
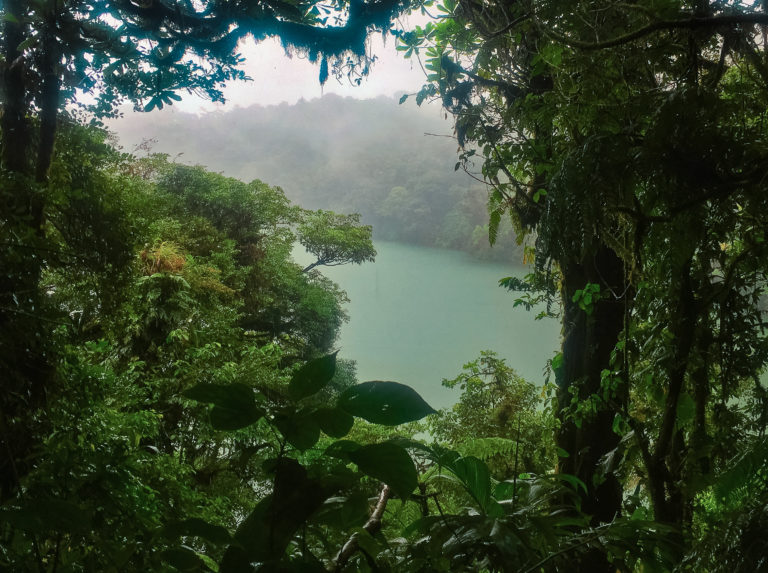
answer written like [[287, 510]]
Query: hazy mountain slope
[[372, 156]]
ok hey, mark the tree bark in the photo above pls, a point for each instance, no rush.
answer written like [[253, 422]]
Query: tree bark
[[664, 472], [15, 128], [588, 341], [49, 106]]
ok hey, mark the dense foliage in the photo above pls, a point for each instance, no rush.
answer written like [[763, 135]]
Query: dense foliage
[[171, 398], [53, 51], [156, 285], [626, 143], [196, 420]]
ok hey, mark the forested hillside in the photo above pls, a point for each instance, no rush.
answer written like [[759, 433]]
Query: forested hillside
[[392, 164]]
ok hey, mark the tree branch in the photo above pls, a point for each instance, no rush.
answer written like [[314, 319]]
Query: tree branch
[[692, 23], [372, 526], [309, 267]]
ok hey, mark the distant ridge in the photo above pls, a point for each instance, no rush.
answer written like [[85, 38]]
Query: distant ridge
[[392, 163]]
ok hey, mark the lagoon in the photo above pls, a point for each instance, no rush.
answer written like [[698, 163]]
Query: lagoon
[[418, 314]]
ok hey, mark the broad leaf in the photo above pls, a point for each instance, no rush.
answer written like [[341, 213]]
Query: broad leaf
[[265, 534], [221, 394], [234, 405], [341, 449], [312, 377], [389, 463], [223, 418], [300, 429], [474, 475], [335, 422], [386, 403], [183, 558], [505, 490]]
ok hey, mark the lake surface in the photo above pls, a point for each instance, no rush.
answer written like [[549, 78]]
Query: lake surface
[[418, 314]]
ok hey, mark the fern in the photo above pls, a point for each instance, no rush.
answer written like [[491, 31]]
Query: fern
[[486, 448], [746, 471]]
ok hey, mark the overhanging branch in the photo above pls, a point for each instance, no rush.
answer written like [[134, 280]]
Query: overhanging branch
[[692, 23]]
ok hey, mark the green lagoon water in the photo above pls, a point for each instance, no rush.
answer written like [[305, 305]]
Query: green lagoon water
[[418, 314]]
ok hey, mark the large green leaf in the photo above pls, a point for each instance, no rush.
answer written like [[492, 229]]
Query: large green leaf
[[475, 477], [390, 463], [252, 538], [234, 405], [341, 449], [386, 403], [335, 422], [299, 428], [265, 534], [312, 377], [221, 394], [223, 418]]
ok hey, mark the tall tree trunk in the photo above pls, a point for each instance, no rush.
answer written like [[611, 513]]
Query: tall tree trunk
[[588, 341], [664, 472], [25, 354], [14, 125], [49, 105]]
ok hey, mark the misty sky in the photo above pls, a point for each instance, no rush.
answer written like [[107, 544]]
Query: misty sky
[[278, 78]]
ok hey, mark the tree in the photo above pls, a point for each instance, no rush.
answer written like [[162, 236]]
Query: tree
[[632, 158], [116, 50], [184, 439], [514, 434], [151, 272], [335, 239]]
